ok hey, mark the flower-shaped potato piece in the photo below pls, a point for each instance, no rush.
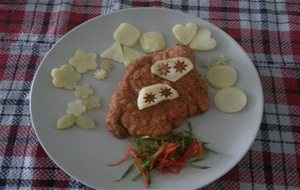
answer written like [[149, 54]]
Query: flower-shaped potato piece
[[83, 91], [93, 102], [76, 108], [66, 121], [65, 77], [83, 61]]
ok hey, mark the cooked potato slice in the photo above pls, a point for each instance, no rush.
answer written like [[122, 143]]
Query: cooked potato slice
[[66, 121], [65, 77], [85, 122], [76, 108], [184, 34], [114, 53], [152, 42], [203, 41], [221, 76], [130, 55], [230, 100], [127, 34]]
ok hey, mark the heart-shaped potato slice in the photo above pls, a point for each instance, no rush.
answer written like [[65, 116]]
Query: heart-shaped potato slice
[[184, 34], [203, 41]]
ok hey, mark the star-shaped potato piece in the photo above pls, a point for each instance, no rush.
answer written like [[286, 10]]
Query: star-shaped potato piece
[[100, 74], [83, 61], [83, 91], [65, 77]]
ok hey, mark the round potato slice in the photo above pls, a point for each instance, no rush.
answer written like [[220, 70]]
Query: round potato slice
[[152, 42], [221, 76], [230, 100]]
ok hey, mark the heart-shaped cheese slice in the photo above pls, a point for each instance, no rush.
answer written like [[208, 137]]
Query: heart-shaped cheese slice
[[203, 41], [184, 34], [154, 94], [172, 69]]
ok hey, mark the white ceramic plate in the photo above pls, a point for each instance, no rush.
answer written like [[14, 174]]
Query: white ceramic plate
[[85, 154]]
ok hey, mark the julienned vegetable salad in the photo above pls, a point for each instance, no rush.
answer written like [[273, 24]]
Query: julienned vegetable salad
[[168, 154]]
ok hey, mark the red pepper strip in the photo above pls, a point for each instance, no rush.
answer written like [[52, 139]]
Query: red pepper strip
[[126, 157], [140, 166], [156, 154], [171, 147], [193, 149]]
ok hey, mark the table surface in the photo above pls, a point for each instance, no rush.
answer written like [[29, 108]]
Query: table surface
[[268, 30]]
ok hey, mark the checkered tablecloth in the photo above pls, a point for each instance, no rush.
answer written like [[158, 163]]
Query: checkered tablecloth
[[268, 30]]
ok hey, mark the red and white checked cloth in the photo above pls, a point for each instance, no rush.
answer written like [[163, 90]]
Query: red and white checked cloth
[[268, 30]]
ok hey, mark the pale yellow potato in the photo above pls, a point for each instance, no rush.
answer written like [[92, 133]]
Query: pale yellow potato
[[152, 42], [114, 53], [66, 121], [76, 108], [203, 41], [83, 62], [85, 122], [65, 77], [184, 34], [130, 55], [221, 76], [127, 34], [230, 100]]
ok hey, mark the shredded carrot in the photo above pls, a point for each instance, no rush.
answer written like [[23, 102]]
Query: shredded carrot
[[126, 157], [169, 154]]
